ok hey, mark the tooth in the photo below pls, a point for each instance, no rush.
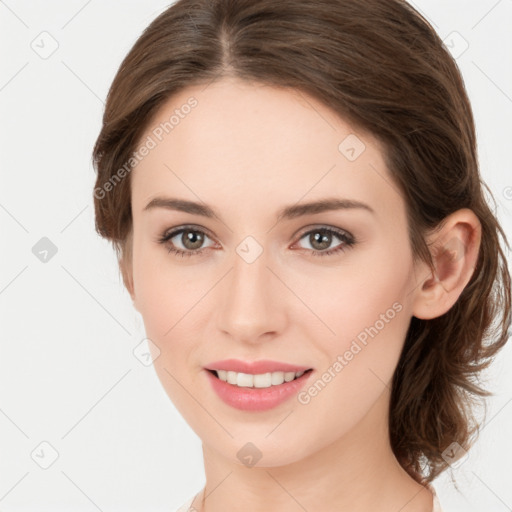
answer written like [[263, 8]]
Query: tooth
[[263, 380], [277, 378], [289, 376], [245, 380]]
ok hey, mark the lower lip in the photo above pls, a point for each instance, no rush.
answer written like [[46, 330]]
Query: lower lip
[[256, 399]]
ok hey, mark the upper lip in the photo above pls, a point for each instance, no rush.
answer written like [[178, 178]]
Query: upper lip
[[255, 367]]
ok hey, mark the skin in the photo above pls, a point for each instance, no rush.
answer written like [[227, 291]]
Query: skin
[[248, 150]]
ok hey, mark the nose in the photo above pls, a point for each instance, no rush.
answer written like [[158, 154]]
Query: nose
[[252, 302]]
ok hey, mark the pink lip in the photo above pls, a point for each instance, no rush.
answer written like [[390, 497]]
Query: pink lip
[[255, 367], [255, 399]]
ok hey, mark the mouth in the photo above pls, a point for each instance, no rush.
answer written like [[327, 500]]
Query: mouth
[[256, 385], [260, 380], [258, 391]]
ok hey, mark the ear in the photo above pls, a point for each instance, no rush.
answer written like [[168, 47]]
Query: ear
[[126, 268], [454, 248]]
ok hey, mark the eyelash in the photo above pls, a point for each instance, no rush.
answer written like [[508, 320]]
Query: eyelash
[[348, 241]]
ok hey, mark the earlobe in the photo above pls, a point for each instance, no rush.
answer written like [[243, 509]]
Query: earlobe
[[127, 279], [127, 274], [126, 266], [454, 248]]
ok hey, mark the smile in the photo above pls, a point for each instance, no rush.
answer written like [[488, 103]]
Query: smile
[[256, 392], [261, 380]]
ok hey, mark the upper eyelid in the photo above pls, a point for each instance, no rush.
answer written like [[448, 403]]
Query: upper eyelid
[[172, 232], [312, 227]]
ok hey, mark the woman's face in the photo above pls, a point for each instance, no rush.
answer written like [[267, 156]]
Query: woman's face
[[265, 278]]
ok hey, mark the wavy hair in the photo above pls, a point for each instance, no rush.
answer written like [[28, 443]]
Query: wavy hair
[[380, 65]]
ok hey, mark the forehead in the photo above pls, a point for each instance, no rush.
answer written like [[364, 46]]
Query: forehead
[[234, 139]]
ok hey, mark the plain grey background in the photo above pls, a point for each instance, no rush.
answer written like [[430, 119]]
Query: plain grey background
[[84, 424]]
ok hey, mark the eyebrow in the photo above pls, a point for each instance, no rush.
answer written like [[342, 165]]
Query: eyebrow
[[288, 212]]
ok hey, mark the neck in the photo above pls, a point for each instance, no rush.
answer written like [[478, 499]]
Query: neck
[[358, 472]]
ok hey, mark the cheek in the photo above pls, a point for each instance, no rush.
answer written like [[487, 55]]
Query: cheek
[[366, 305], [169, 300], [368, 289], [164, 290], [368, 312]]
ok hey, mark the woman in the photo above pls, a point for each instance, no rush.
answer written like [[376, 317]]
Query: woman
[[292, 189]]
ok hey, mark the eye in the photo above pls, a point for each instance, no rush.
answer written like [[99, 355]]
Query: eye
[[188, 241], [321, 239]]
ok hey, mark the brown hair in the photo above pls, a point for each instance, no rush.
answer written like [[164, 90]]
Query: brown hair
[[380, 65]]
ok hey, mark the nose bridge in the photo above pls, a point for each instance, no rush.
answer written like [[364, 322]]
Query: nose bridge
[[248, 306]]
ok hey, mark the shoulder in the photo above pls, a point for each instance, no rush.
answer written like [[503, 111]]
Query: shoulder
[[437, 504], [187, 507]]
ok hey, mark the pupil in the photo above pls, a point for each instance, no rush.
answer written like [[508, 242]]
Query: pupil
[[324, 240], [193, 239]]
